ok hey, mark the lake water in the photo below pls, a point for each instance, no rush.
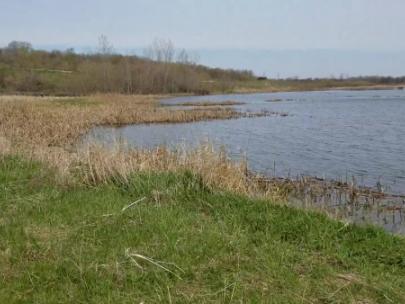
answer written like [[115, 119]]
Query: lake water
[[331, 134]]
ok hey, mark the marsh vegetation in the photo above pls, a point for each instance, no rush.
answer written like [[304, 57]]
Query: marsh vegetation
[[47, 129], [95, 224]]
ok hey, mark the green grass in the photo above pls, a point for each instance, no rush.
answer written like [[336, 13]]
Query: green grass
[[62, 244]]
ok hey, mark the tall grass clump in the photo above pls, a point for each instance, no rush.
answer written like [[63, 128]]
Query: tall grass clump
[[101, 165]]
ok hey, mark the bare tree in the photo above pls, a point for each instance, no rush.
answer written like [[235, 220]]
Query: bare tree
[[104, 46], [105, 49], [128, 75], [183, 57], [161, 50]]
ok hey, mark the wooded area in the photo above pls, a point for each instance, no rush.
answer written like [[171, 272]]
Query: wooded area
[[164, 69]]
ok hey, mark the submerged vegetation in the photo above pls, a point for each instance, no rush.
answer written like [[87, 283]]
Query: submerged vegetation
[[344, 200]]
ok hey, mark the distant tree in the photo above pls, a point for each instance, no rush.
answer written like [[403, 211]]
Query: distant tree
[[128, 74], [183, 57], [19, 46], [105, 48], [161, 50], [70, 51]]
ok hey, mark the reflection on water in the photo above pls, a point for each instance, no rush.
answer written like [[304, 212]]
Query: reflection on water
[[336, 135]]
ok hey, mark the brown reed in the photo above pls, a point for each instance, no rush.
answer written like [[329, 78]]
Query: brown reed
[[46, 128]]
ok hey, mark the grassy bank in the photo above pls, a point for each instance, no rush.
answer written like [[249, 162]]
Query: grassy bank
[[181, 243]]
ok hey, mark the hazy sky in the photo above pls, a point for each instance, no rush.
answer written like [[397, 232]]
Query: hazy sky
[[362, 25]]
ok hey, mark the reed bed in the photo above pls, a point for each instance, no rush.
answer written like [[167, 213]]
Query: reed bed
[[50, 121], [47, 128]]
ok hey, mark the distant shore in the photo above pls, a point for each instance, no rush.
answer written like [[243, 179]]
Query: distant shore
[[246, 90]]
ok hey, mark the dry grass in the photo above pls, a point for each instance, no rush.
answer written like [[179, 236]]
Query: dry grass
[[95, 164], [5, 145], [215, 168], [60, 121], [46, 129]]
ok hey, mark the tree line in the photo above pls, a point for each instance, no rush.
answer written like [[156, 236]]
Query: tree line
[[163, 69]]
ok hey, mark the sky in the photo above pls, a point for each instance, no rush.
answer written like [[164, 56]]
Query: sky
[[227, 33]]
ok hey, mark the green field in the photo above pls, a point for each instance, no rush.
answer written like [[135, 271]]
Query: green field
[[182, 243]]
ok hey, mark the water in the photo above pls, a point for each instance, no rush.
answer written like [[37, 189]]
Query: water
[[332, 134]]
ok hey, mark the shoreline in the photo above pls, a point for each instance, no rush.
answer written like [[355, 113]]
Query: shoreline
[[54, 141], [241, 91], [343, 88]]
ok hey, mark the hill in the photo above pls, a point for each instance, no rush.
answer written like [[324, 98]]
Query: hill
[[164, 70]]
